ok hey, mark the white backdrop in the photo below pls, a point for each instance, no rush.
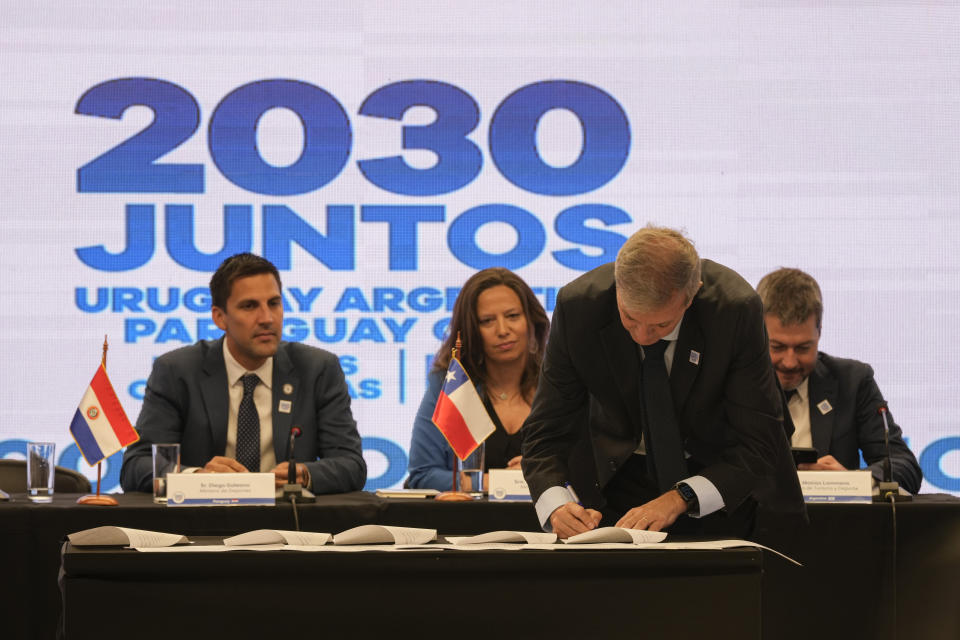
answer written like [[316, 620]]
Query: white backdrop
[[822, 135]]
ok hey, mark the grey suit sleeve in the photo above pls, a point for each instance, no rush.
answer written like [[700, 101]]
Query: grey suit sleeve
[[339, 467], [903, 463], [160, 420]]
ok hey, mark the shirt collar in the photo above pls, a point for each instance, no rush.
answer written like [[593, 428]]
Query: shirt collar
[[235, 370], [673, 335]]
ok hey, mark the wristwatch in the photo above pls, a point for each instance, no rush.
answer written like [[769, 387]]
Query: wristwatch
[[689, 496]]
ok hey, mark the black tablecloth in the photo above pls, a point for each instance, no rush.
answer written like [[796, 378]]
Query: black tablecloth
[[850, 585], [31, 534], [373, 594], [845, 589]]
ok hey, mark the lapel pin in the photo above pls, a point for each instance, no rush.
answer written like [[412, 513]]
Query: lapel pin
[[285, 406], [287, 389], [825, 407], [694, 357]]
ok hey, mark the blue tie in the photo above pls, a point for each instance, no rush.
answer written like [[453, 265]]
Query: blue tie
[[248, 426]]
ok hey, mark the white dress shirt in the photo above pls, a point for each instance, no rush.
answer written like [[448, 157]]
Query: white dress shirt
[[262, 399], [799, 406]]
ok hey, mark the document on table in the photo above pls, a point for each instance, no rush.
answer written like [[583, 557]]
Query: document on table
[[121, 536], [703, 544], [617, 534], [408, 493], [276, 536], [380, 534], [500, 537]]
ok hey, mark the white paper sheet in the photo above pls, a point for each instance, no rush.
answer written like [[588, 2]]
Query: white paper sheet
[[277, 536], [499, 537], [616, 534], [379, 534]]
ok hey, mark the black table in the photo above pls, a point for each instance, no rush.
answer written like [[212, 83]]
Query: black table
[[464, 594], [31, 534], [852, 586], [845, 590]]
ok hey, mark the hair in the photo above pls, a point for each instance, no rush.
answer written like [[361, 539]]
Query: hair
[[653, 265], [237, 266], [791, 295], [464, 322]]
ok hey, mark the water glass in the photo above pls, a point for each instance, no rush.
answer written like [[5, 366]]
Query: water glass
[[166, 459], [40, 465], [470, 478]]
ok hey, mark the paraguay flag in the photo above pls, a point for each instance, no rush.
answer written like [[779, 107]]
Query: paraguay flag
[[460, 414], [100, 427]]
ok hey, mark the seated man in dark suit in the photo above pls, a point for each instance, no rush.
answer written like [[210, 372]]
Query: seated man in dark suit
[[659, 361], [231, 403], [833, 402]]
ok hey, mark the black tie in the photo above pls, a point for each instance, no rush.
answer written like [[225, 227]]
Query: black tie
[[664, 448], [790, 393], [248, 426]]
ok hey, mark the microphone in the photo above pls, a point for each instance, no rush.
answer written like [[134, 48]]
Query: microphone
[[888, 488], [291, 465], [293, 491]]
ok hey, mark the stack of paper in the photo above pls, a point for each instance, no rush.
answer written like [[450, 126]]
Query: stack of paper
[[505, 537], [121, 536], [617, 534]]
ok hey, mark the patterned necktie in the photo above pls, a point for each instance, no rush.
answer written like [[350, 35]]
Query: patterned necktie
[[664, 443], [248, 426]]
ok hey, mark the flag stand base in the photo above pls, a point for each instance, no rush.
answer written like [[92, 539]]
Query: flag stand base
[[105, 501], [454, 496]]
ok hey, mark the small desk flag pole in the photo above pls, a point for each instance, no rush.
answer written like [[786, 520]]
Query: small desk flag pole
[[454, 353], [103, 363], [100, 426], [461, 417]]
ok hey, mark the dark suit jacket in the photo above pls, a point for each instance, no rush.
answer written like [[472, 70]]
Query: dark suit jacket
[[186, 401], [728, 404], [853, 424]]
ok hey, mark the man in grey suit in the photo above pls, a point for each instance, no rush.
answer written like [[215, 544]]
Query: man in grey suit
[[231, 403], [666, 356], [833, 402]]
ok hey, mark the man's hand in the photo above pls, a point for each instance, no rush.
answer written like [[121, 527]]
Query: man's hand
[[280, 474], [655, 515], [219, 464], [514, 463], [826, 463], [571, 519]]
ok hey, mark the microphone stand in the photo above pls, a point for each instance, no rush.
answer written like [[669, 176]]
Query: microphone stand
[[889, 489], [293, 491]]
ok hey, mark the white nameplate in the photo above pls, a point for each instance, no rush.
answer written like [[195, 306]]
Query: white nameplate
[[220, 489], [836, 486], [508, 484]]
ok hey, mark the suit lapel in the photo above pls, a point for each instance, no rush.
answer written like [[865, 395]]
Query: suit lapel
[[822, 388], [621, 352], [216, 399], [683, 372], [284, 377]]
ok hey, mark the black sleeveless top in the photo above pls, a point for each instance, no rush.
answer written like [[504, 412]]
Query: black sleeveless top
[[502, 447]]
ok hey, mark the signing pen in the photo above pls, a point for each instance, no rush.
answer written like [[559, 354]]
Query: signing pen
[[573, 493]]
